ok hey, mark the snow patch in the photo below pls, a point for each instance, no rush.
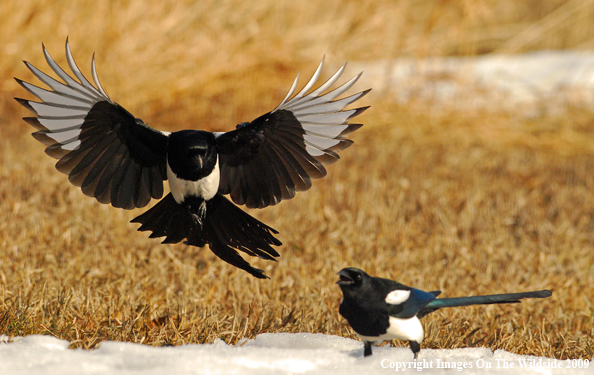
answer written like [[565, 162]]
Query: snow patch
[[541, 82], [278, 353]]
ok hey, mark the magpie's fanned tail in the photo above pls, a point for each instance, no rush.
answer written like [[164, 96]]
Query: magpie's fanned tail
[[481, 300], [167, 219], [225, 228]]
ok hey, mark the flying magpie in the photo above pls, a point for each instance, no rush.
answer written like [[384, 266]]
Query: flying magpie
[[380, 309], [119, 160]]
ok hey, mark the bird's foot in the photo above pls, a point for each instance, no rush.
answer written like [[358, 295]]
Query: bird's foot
[[415, 347], [367, 351]]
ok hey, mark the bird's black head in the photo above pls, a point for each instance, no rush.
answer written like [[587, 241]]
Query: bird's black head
[[192, 154], [352, 280]]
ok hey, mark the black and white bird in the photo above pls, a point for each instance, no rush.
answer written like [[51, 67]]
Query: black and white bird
[[380, 309], [117, 159]]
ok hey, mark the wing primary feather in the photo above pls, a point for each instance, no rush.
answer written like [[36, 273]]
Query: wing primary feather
[[291, 91], [67, 163], [67, 79], [55, 151], [313, 169], [53, 97], [34, 122], [328, 97], [311, 82], [58, 125], [358, 111], [329, 82], [85, 82], [57, 85], [335, 118], [329, 106], [325, 86], [25, 103], [96, 78]]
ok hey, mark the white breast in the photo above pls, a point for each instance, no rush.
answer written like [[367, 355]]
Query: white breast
[[402, 329], [206, 187]]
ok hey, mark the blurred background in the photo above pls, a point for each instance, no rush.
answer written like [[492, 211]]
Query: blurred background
[[472, 173], [219, 62]]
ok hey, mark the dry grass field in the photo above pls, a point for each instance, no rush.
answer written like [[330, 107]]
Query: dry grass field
[[465, 202]]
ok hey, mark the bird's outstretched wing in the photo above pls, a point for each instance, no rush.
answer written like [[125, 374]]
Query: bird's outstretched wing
[[276, 155], [103, 149]]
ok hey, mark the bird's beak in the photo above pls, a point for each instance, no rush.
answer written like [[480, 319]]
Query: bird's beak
[[345, 278], [199, 161]]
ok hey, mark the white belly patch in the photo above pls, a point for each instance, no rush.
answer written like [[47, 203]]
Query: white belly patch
[[402, 329], [206, 187]]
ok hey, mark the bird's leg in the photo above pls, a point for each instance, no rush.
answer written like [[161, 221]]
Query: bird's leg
[[415, 347], [367, 351], [197, 208]]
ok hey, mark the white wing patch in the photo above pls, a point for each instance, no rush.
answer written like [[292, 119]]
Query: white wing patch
[[396, 297]]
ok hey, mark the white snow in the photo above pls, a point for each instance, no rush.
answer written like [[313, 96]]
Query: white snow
[[279, 353], [541, 82]]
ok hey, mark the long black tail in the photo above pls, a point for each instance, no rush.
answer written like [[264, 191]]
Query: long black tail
[[481, 300], [225, 228]]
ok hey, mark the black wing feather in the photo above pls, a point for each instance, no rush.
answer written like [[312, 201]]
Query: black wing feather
[[96, 140], [269, 159]]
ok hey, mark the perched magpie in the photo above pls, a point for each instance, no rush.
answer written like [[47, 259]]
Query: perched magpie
[[380, 309], [119, 160]]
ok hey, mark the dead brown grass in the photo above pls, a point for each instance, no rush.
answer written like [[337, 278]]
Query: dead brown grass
[[463, 202]]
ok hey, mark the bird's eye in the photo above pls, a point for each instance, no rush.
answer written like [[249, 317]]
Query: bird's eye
[[358, 277]]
